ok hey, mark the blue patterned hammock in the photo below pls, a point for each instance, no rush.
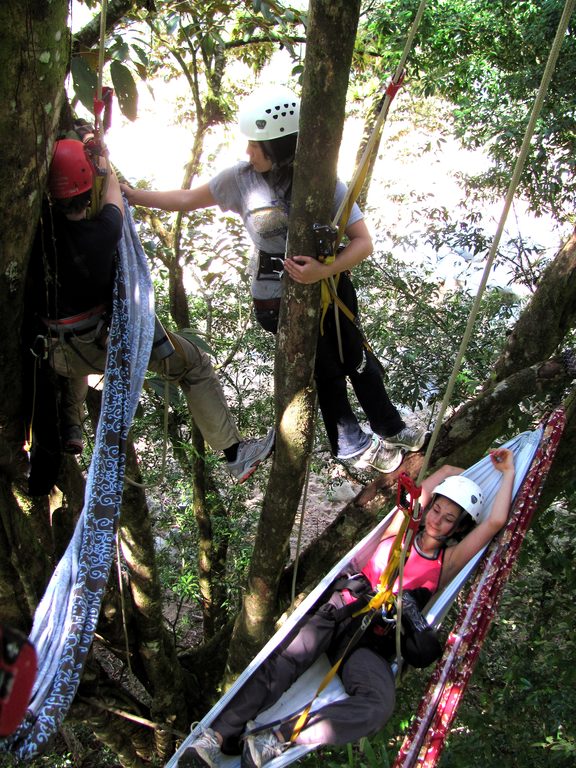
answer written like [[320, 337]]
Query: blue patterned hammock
[[304, 689], [66, 618]]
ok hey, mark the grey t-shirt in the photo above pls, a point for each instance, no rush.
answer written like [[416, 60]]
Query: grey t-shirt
[[264, 210]]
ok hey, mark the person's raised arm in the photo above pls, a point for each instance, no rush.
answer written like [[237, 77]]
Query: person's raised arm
[[171, 200], [112, 194], [456, 557]]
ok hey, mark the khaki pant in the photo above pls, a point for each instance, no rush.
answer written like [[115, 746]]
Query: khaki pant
[[74, 358]]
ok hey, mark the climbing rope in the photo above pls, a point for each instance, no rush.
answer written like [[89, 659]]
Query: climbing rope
[[329, 286]]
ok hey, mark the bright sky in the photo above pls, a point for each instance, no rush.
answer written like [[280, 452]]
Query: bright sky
[[157, 147]]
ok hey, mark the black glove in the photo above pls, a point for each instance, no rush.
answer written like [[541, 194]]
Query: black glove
[[330, 611], [412, 603], [356, 583], [420, 644]]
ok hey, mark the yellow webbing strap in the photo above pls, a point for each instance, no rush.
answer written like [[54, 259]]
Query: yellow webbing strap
[[342, 215]]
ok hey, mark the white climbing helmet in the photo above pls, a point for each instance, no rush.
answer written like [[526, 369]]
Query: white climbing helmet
[[465, 492], [269, 113]]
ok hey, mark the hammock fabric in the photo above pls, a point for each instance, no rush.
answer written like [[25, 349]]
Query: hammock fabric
[[425, 740], [524, 446], [66, 618]]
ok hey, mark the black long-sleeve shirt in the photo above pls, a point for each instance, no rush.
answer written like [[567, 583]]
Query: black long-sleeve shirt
[[73, 262]]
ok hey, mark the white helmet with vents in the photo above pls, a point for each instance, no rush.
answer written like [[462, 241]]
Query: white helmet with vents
[[465, 492], [269, 113]]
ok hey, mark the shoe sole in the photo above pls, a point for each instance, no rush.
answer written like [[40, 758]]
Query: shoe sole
[[255, 466], [389, 471], [250, 472]]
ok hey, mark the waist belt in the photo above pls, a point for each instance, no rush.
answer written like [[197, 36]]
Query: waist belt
[[270, 264], [77, 324], [263, 304]]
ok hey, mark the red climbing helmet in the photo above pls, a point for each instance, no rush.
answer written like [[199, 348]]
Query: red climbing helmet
[[18, 666], [71, 171]]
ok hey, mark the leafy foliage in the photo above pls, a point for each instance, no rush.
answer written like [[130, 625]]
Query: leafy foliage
[[487, 58]]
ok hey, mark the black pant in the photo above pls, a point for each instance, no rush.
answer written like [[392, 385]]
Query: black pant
[[361, 367]]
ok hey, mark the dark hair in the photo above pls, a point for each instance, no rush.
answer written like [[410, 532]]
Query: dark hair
[[281, 150], [74, 204]]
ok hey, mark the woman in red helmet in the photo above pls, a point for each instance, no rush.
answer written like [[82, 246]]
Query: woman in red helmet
[[73, 266], [260, 191]]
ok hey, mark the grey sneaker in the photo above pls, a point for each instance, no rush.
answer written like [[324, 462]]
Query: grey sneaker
[[409, 438], [260, 748], [385, 459], [250, 454], [365, 459], [204, 752]]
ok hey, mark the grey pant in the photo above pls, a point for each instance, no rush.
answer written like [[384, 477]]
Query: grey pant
[[366, 676], [76, 357]]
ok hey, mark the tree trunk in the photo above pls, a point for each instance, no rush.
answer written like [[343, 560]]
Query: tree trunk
[[33, 55], [332, 29]]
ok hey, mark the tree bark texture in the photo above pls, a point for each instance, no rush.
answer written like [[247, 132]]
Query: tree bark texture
[[331, 34], [33, 58]]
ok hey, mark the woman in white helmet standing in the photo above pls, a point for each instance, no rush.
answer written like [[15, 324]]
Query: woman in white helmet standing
[[259, 191], [455, 527]]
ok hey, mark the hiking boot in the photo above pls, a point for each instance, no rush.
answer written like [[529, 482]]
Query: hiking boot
[[260, 748], [204, 752], [73, 440], [385, 459], [250, 454], [409, 438]]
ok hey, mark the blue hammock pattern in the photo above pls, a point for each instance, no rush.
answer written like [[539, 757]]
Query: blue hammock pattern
[[66, 618]]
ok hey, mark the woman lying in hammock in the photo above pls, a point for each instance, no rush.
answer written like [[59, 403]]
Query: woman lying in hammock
[[450, 535]]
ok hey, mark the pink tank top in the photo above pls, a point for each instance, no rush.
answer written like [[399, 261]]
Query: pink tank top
[[419, 571]]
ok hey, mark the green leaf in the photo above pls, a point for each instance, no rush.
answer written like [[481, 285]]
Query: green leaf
[[125, 89], [84, 80]]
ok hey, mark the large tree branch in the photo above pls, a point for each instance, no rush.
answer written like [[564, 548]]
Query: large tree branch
[[546, 320], [464, 439]]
